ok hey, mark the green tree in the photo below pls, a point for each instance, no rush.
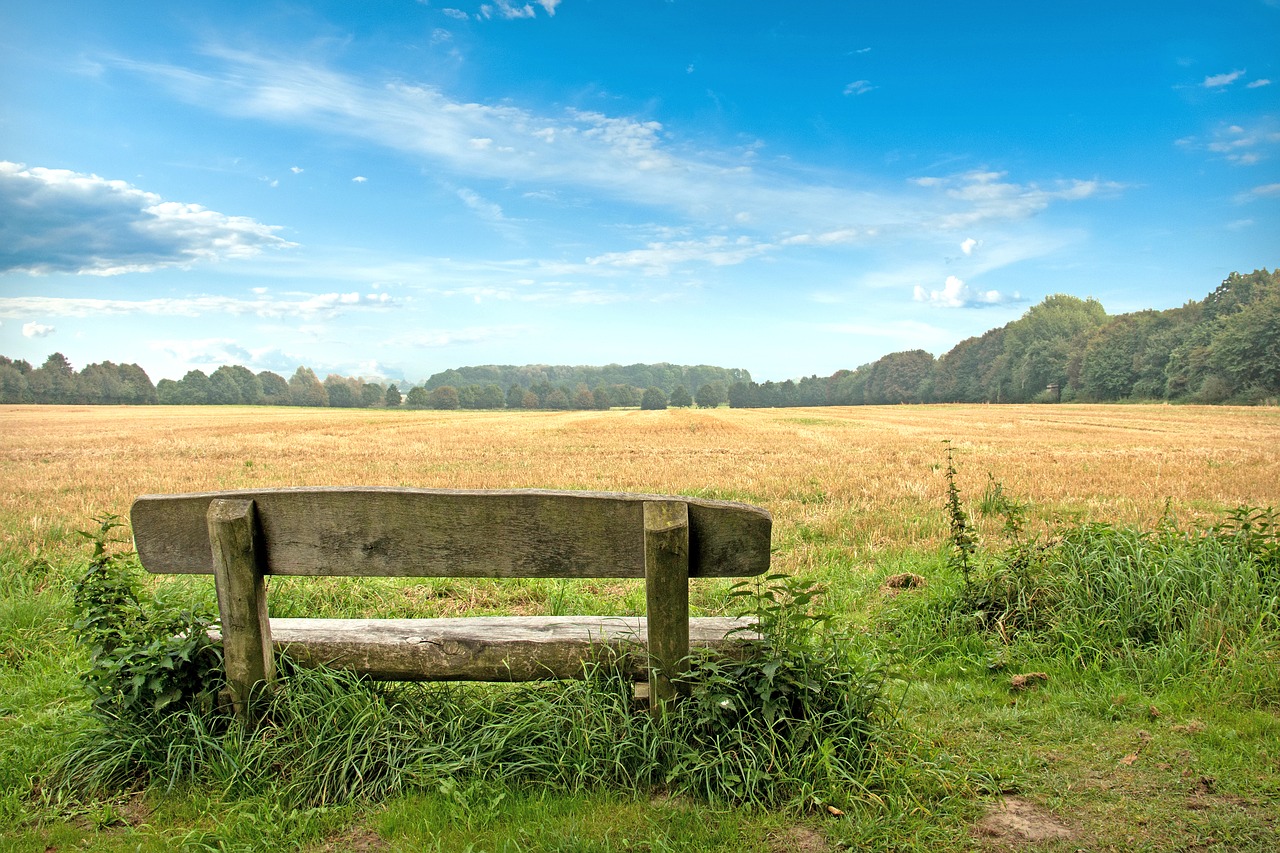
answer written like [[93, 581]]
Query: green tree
[[444, 397], [556, 399], [275, 390], [13, 385], [169, 392], [1245, 346], [393, 398], [1039, 346], [417, 398], [54, 381], [371, 395], [711, 394], [680, 398], [515, 397], [224, 390], [250, 385], [305, 389], [653, 399], [193, 389], [343, 393], [491, 397]]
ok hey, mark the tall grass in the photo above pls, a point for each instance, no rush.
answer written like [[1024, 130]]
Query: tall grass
[[1160, 604], [795, 721]]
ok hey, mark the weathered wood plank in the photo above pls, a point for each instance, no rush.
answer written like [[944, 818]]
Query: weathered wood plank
[[242, 601], [666, 555], [490, 648], [369, 531]]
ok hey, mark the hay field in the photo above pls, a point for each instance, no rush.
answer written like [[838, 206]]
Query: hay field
[[850, 483]]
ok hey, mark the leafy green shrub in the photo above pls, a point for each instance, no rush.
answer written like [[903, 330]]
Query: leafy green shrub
[[153, 678], [146, 657], [791, 721]]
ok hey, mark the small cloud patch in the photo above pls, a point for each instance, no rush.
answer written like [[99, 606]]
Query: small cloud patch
[[956, 294]]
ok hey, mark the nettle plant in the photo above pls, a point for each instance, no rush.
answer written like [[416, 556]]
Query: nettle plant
[[147, 656]]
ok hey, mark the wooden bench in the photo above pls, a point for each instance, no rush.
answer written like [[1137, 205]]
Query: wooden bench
[[242, 536]]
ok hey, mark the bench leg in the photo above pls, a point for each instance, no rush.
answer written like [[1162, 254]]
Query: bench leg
[[242, 602], [666, 564]]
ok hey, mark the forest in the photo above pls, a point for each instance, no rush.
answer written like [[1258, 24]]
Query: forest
[[1222, 349]]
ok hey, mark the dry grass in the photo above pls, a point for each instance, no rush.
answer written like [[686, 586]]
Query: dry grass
[[866, 479]]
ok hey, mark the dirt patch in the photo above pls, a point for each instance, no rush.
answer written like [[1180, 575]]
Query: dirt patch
[[357, 839], [798, 839], [1015, 821], [895, 584], [1027, 680]]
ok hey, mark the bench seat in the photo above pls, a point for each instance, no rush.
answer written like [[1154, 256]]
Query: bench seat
[[486, 648]]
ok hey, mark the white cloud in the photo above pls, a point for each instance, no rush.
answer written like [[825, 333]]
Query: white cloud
[[506, 10], [628, 159], [659, 258], [1242, 146], [485, 209], [293, 305], [1259, 83], [956, 294], [549, 5], [56, 220], [36, 330], [359, 179], [297, 170], [969, 245], [858, 87], [456, 14], [985, 195], [1217, 81]]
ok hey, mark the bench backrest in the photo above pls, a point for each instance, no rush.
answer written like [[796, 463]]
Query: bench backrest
[[400, 532]]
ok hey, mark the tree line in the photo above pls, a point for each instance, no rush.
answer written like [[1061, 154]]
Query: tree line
[[1222, 349], [57, 382]]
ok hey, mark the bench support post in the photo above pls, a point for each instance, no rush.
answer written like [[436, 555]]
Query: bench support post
[[242, 602], [666, 563]]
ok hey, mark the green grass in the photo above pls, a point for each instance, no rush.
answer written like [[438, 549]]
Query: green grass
[[1155, 724]]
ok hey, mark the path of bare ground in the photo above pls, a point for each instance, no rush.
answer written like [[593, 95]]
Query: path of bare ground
[[1015, 821]]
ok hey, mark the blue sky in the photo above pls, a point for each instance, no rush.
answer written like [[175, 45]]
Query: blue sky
[[389, 189]]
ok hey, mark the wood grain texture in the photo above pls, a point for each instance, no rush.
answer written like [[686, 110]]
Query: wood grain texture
[[490, 648], [242, 601], [368, 531], [666, 555]]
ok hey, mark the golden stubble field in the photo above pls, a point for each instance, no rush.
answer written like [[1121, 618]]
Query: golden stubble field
[[862, 480]]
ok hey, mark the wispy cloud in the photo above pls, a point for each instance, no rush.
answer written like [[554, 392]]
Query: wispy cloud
[[1261, 191], [1217, 81], [986, 195], [1237, 144], [1258, 84], [661, 258], [55, 220], [747, 207], [295, 305], [858, 87], [956, 294]]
